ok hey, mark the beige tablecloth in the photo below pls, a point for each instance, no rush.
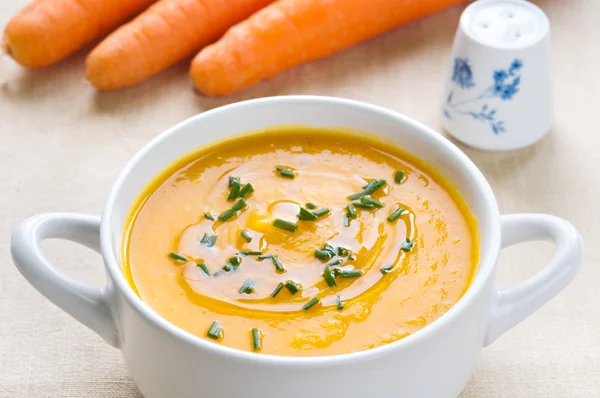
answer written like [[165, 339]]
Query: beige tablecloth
[[62, 144]]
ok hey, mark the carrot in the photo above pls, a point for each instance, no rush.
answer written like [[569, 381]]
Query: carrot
[[290, 32], [46, 31], [166, 33]]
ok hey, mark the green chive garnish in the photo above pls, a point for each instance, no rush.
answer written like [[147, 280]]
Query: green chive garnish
[[239, 205], [361, 205], [215, 331], [235, 190], [329, 277], [285, 225], [204, 268], [351, 211], [234, 262], [314, 301], [306, 215], [178, 257], [285, 172], [247, 190], [227, 214], [351, 257], [277, 290], [374, 186], [321, 212], [209, 216], [278, 266], [334, 263], [292, 286], [339, 302], [265, 256], [386, 269], [247, 287], [250, 252], [396, 214], [256, 343], [351, 273], [311, 206], [323, 255], [209, 240], [336, 272], [407, 245], [342, 251], [370, 201], [234, 180], [346, 220], [246, 236], [220, 272], [370, 188], [398, 177]]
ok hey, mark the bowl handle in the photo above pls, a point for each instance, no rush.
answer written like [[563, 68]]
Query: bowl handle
[[89, 305], [512, 305]]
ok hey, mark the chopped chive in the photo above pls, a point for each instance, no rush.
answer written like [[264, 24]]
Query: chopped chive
[[311, 206], [250, 252], [351, 273], [342, 251], [215, 331], [329, 248], [346, 220], [375, 186], [285, 225], [234, 261], [278, 266], [204, 268], [370, 201], [209, 216], [234, 180], [321, 212], [247, 287], [314, 301], [285, 172], [247, 190], [265, 256], [209, 240], [398, 177], [396, 214], [292, 286], [329, 277], [227, 214], [256, 343], [358, 195], [407, 245], [351, 211], [220, 272], [336, 272], [306, 215], [235, 190], [361, 205], [246, 236], [351, 257], [239, 205], [386, 269], [277, 290], [324, 255], [334, 263], [178, 257], [369, 185], [339, 302], [226, 267]]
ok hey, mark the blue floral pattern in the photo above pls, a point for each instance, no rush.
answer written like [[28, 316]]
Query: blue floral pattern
[[505, 86]]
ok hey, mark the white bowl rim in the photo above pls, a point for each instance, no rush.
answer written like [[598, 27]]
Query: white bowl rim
[[487, 262]]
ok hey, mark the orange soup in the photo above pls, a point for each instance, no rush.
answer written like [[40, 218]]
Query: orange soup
[[300, 242]]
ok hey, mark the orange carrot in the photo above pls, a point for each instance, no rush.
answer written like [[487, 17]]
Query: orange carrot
[[166, 33], [290, 32], [46, 31]]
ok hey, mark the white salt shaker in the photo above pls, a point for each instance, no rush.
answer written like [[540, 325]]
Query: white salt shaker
[[498, 93]]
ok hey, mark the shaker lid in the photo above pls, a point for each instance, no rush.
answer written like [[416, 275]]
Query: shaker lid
[[507, 24]]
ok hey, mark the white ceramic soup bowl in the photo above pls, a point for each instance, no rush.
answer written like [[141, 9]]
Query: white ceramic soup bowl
[[166, 361]]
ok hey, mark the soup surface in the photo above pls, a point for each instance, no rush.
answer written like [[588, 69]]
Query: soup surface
[[312, 271]]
